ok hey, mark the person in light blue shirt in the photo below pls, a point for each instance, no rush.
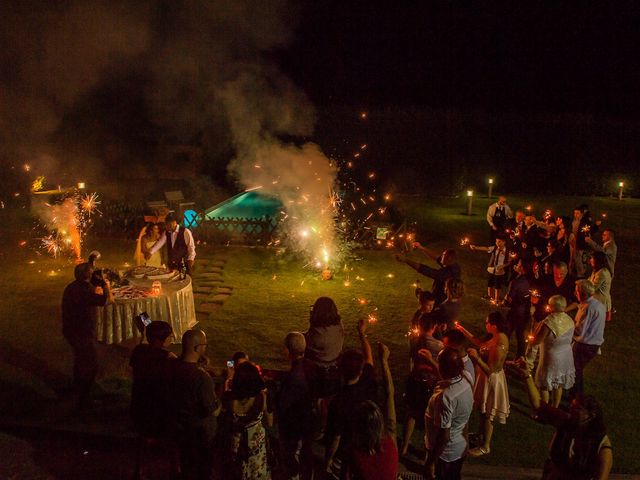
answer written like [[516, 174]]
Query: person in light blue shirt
[[588, 335], [446, 419]]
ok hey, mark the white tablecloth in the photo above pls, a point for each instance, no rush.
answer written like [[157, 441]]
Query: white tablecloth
[[115, 321]]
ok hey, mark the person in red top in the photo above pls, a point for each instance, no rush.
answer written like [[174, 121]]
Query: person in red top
[[374, 452]]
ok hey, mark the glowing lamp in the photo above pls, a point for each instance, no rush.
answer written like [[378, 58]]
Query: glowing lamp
[[621, 184], [491, 181], [156, 287], [81, 185], [469, 201]]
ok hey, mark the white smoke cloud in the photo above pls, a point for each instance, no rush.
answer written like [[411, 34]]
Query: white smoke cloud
[[207, 69]]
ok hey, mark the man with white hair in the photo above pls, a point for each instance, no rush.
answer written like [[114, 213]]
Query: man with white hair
[[588, 335]]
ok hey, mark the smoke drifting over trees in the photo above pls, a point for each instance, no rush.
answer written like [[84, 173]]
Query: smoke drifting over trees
[[92, 87]]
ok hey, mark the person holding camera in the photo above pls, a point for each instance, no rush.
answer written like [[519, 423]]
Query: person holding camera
[[78, 327]]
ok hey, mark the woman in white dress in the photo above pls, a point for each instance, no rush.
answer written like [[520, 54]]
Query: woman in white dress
[[556, 371], [149, 234], [490, 393]]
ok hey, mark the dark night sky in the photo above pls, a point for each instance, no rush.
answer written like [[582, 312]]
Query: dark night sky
[[471, 55], [96, 86]]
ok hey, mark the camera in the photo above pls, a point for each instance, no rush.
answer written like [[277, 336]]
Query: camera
[[97, 278]]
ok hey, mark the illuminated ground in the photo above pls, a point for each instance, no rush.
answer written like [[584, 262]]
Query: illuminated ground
[[272, 296]]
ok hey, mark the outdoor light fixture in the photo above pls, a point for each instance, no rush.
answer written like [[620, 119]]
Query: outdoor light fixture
[[81, 185], [490, 187], [469, 201], [620, 190], [469, 193]]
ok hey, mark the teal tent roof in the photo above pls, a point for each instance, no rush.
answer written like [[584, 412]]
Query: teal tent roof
[[247, 204]]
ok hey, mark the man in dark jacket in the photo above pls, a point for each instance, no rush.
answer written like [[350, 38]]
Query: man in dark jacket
[[449, 268], [78, 327]]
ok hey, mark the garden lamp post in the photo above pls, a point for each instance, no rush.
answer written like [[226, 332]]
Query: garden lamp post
[[469, 201], [620, 190], [490, 187]]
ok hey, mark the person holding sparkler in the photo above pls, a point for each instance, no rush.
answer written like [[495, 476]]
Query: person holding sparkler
[[491, 394], [518, 299], [497, 267], [449, 268], [423, 377], [608, 247], [582, 227], [555, 371], [359, 384], [561, 283], [448, 312], [580, 448]]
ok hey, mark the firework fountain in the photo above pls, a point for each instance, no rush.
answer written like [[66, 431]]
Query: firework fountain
[[67, 223]]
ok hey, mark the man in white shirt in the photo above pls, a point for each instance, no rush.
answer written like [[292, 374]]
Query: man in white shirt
[[497, 216], [446, 419], [181, 249]]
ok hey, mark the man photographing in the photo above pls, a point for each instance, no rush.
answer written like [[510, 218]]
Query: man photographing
[[78, 327]]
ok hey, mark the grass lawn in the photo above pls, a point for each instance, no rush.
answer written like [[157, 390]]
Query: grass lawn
[[272, 296]]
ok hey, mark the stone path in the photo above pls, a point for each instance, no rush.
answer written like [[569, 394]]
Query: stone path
[[209, 290]]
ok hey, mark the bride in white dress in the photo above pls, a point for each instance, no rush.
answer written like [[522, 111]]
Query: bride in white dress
[[149, 234]]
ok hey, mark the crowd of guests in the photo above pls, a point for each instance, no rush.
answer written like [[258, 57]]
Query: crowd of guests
[[244, 422], [549, 282], [222, 422]]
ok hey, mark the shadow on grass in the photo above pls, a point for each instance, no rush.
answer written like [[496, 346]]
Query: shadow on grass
[[34, 365]]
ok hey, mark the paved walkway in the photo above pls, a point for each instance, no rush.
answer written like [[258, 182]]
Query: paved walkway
[[209, 289]]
